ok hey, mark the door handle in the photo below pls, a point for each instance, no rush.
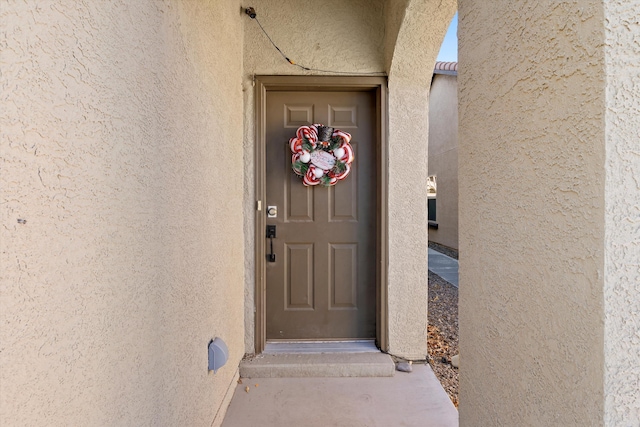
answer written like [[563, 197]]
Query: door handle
[[271, 234]]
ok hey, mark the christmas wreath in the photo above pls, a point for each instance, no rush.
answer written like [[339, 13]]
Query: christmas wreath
[[321, 155]]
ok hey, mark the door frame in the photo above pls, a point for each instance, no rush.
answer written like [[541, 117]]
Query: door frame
[[264, 84]]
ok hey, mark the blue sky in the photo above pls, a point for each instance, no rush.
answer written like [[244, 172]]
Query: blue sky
[[449, 48]]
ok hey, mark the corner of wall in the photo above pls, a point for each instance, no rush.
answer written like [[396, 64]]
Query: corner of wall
[[622, 215]]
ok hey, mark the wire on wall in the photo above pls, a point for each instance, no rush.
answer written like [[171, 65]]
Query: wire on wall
[[252, 14]]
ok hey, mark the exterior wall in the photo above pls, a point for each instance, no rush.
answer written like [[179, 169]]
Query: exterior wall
[[532, 236], [622, 215], [122, 247], [443, 156], [423, 28], [394, 15]]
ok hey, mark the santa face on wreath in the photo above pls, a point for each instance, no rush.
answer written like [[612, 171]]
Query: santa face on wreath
[[321, 154]]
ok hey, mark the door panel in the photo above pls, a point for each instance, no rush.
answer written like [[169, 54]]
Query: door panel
[[299, 276], [322, 284], [344, 277]]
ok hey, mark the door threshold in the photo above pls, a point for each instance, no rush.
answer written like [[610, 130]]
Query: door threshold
[[318, 347], [318, 365]]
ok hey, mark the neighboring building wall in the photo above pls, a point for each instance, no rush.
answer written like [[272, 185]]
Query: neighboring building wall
[[121, 184], [532, 208], [443, 156], [622, 215]]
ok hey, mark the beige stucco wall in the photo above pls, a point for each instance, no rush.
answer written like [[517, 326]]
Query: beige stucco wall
[[417, 44], [443, 157], [394, 15], [622, 215], [121, 150], [123, 253], [532, 203], [362, 37]]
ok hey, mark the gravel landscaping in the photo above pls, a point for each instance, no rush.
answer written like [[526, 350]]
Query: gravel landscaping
[[442, 340]]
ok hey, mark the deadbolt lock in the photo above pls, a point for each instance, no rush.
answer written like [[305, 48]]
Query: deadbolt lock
[[272, 211]]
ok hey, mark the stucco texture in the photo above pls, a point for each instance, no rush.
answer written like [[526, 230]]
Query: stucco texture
[[126, 162], [417, 43], [531, 175], [122, 177], [443, 157], [622, 214]]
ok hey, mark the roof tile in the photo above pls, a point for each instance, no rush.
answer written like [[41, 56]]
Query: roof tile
[[446, 66]]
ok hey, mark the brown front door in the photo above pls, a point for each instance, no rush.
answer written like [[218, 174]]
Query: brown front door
[[322, 284]]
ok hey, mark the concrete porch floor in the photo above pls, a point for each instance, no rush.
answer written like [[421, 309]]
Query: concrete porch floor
[[406, 399]]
